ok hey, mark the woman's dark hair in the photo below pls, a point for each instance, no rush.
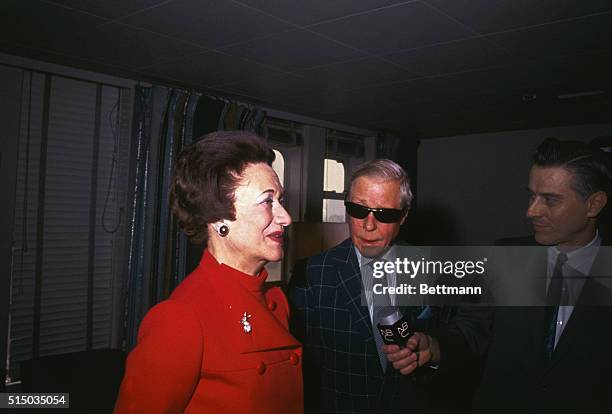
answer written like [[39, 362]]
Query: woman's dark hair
[[205, 178], [587, 163]]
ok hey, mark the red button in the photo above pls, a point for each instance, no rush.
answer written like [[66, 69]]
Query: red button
[[271, 305], [261, 368], [294, 358]]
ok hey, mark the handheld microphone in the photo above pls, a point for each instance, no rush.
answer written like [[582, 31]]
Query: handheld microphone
[[394, 328]]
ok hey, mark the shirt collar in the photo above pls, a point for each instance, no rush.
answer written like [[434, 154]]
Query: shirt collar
[[580, 259]]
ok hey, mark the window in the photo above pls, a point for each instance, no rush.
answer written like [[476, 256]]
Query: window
[[333, 176], [344, 151], [333, 188]]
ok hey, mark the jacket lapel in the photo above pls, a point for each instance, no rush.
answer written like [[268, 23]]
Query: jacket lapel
[[350, 282], [593, 294]]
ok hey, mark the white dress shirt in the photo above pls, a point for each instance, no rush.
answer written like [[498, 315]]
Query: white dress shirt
[[575, 271]]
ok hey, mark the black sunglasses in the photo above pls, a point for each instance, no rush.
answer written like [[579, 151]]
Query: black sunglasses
[[384, 215]]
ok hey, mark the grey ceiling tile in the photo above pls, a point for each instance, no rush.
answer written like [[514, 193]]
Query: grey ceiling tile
[[44, 26], [465, 86], [406, 92], [294, 51], [131, 48], [281, 86], [308, 12], [209, 23], [210, 69], [576, 36], [487, 16], [363, 100], [110, 9], [321, 100], [359, 73], [80, 35], [579, 73], [452, 57], [313, 101], [519, 77], [370, 113], [388, 30]]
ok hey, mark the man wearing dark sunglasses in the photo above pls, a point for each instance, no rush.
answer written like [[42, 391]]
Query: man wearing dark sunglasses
[[377, 206], [345, 369]]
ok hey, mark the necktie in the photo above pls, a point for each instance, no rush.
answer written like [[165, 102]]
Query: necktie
[[553, 299], [378, 302]]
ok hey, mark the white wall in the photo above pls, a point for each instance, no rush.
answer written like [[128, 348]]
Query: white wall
[[475, 185]]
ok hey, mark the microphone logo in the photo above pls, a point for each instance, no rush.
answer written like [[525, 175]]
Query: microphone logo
[[394, 328]]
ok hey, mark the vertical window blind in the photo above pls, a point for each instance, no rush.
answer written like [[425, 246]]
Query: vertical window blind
[[70, 217]]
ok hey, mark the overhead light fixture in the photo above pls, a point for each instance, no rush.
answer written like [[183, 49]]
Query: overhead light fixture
[[529, 97], [580, 94]]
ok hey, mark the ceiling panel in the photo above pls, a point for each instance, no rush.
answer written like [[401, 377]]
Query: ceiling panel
[[487, 16], [44, 26], [579, 73], [210, 69], [392, 29], [434, 66], [571, 37], [309, 12], [334, 101], [359, 73], [487, 81], [268, 88], [474, 53], [293, 51], [208, 23], [110, 9], [413, 92], [132, 48]]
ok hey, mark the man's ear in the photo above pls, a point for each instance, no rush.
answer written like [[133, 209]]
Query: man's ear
[[595, 203]]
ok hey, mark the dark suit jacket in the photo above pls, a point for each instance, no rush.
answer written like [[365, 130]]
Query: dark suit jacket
[[578, 378], [342, 372]]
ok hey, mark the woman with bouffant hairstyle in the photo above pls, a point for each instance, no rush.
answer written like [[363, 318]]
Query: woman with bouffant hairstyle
[[220, 343]]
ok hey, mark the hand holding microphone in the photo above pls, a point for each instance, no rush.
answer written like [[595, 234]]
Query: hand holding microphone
[[406, 350], [394, 328]]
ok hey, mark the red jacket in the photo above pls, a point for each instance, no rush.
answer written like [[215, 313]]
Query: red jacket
[[195, 356]]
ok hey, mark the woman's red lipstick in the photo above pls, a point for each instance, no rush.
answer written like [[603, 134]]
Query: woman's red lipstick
[[277, 236]]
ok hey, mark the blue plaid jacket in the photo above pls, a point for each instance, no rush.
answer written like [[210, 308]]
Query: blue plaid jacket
[[342, 371]]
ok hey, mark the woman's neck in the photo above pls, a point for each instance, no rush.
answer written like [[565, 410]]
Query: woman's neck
[[233, 259]]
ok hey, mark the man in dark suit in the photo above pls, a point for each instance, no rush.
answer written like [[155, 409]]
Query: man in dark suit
[[558, 358], [345, 365]]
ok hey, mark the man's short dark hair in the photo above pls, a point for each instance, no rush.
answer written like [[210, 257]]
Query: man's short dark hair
[[587, 163], [206, 175]]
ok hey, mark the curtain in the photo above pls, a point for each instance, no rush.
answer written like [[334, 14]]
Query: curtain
[[165, 121], [235, 116], [162, 127]]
